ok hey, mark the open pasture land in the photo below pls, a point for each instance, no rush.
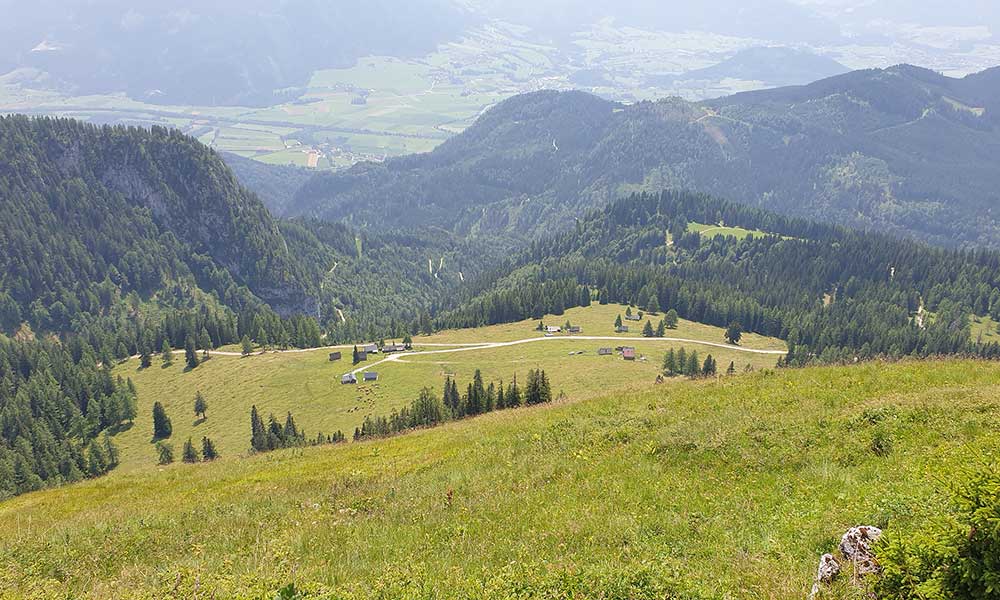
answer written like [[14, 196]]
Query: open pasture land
[[709, 489], [308, 384]]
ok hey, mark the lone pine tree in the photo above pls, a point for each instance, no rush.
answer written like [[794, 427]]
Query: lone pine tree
[[162, 428]]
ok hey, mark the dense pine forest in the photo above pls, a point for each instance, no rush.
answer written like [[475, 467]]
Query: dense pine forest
[[57, 412], [833, 294]]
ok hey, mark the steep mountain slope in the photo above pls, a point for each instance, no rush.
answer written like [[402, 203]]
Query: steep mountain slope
[[141, 210], [903, 150]]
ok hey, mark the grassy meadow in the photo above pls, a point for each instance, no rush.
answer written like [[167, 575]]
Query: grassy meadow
[[739, 233], [727, 488], [308, 384]]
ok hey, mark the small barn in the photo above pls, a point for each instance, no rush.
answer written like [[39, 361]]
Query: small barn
[[604, 352], [362, 356], [370, 348], [335, 356], [553, 329], [348, 379], [622, 329], [633, 318], [628, 353], [393, 348], [371, 376]]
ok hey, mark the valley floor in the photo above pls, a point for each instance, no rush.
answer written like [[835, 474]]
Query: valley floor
[[722, 488]]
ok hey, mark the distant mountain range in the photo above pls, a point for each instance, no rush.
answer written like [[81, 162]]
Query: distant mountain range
[[904, 150], [224, 52], [771, 66]]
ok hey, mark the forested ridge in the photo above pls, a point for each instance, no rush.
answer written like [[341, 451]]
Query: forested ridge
[[118, 241], [114, 242], [902, 150], [834, 294]]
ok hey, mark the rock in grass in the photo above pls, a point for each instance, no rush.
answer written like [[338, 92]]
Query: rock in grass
[[828, 570], [856, 546]]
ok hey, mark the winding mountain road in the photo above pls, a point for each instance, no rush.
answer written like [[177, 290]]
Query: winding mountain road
[[471, 347], [453, 348]]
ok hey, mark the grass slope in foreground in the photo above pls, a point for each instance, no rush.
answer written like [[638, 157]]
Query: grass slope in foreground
[[308, 385], [728, 488]]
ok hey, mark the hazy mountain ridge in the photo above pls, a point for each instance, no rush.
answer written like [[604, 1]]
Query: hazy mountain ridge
[[902, 149], [217, 53]]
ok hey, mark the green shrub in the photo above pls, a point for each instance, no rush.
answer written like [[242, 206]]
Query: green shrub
[[957, 557]]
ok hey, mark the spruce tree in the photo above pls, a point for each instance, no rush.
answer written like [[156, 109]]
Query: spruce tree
[[189, 455], [97, 462], [670, 363], [544, 389], [682, 361], [357, 355], [258, 435], [246, 346], [165, 452], [671, 319], [167, 353], [145, 359], [514, 399], [734, 333], [708, 369], [661, 329], [618, 322], [653, 305], [200, 406], [647, 330], [732, 368], [532, 391], [110, 451], [208, 451], [407, 342], [162, 428], [275, 434], [477, 394], [191, 353], [693, 366], [291, 431]]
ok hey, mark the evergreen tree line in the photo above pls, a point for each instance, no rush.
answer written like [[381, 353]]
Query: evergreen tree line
[[57, 416], [689, 364], [429, 410], [832, 294], [190, 454], [274, 435]]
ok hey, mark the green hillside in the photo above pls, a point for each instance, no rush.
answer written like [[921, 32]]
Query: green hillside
[[728, 488], [903, 150], [308, 385]]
